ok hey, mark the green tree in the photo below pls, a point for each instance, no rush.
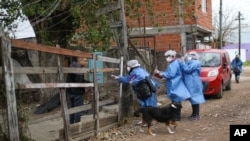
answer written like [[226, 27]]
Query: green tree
[[68, 21], [59, 21]]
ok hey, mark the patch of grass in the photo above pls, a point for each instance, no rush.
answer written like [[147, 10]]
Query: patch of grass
[[247, 63]]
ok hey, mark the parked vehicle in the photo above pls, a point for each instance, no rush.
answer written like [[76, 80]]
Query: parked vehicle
[[215, 71]]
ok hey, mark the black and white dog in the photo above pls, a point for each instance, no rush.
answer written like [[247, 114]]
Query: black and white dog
[[165, 114]]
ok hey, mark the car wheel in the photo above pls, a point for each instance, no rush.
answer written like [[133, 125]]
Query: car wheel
[[228, 87], [220, 94]]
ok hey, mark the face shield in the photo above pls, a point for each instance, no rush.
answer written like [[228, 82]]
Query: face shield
[[192, 55]]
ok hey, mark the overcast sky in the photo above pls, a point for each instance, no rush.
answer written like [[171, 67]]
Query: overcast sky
[[233, 7]]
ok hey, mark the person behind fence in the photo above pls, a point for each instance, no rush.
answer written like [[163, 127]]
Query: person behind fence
[[75, 95], [191, 69], [236, 65], [143, 86], [176, 90]]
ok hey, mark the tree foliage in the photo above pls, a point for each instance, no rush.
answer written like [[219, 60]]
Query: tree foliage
[[67, 22], [229, 25], [63, 21], [9, 12]]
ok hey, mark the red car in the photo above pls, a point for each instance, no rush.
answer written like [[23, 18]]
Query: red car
[[215, 71]]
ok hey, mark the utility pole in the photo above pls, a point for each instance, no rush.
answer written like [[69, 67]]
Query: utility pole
[[181, 22], [239, 19], [220, 31]]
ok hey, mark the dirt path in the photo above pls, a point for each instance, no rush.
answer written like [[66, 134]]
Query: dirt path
[[216, 116]]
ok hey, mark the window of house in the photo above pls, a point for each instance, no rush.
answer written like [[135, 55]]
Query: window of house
[[204, 5]]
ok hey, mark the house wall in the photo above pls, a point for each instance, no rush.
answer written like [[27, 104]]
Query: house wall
[[165, 15], [235, 49], [204, 19], [163, 42], [232, 53]]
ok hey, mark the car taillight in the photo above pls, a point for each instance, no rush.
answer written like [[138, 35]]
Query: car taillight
[[213, 73]]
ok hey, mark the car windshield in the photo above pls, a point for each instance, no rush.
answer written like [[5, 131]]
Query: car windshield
[[209, 59]]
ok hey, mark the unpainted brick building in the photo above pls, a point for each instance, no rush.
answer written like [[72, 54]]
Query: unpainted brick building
[[174, 24]]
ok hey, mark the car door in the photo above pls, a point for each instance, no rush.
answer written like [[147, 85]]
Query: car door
[[226, 69]]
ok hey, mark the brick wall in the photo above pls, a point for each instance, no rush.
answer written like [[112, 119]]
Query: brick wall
[[162, 42], [165, 14], [165, 42], [204, 18]]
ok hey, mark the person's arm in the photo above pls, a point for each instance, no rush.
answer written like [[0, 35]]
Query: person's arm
[[121, 79], [171, 71], [241, 63], [189, 68]]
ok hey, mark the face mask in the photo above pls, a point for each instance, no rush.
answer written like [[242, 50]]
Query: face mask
[[128, 69], [168, 59], [189, 58]]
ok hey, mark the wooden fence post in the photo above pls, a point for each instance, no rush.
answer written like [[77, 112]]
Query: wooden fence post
[[7, 66], [64, 105], [96, 113], [120, 91]]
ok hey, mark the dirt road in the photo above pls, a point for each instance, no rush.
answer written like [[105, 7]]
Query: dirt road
[[216, 117]]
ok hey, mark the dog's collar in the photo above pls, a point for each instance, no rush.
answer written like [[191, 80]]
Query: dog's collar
[[172, 105]]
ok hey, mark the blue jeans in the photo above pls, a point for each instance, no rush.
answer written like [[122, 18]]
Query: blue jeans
[[75, 101], [237, 76]]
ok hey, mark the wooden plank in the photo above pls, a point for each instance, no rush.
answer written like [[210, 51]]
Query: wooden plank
[[120, 92], [46, 117], [44, 70], [108, 59], [52, 70], [107, 9], [85, 126], [84, 130], [26, 91], [63, 101], [108, 124], [89, 106], [107, 69], [96, 96], [9, 89], [88, 134], [76, 70], [53, 85], [111, 84], [104, 121], [116, 24], [71, 110], [49, 49]]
